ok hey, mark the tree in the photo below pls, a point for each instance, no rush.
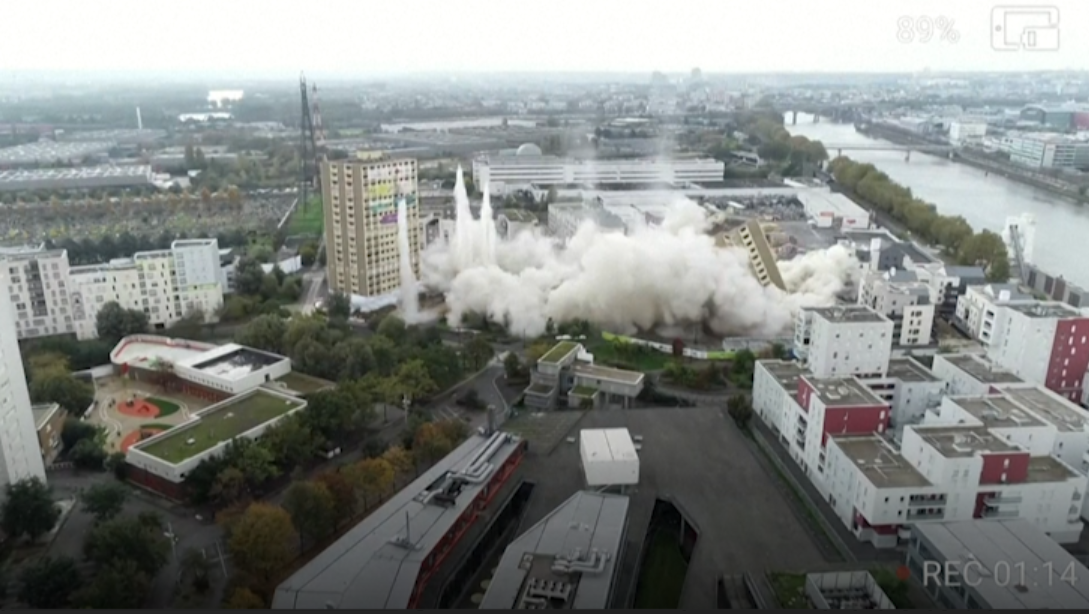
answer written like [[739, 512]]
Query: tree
[[291, 442], [89, 454], [264, 333], [400, 461], [195, 567], [512, 367], [413, 381], [135, 539], [262, 541], [114, 321], [478, 351], [75, 429], [256, 462], [342, 491], [49, 583], [338, 305], [119, 584], [104, 500], [740, 410], [312, 509], [28, 509], [54, 386], [373, 478], [244, 599], [393, 328], [430, 443]]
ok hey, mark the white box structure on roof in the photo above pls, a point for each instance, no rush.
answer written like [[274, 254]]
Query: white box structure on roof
[[608, 457]]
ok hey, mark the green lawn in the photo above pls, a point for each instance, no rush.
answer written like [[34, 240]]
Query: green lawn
[[307, 219], [166, 408], [790, 590], [222, 424], [558, 351], [304, 384], [584, 391], [629, 356], [661, 578]]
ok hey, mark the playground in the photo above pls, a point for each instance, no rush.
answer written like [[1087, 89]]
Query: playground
[[131, 411]]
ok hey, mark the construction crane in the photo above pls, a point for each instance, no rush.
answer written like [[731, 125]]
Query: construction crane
[[312, 143]]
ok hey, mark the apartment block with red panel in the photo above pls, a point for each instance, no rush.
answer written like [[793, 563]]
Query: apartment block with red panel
[[1043, 342], [834, 406]]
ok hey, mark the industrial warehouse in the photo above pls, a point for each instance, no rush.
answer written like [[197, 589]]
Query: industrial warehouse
[[90, 177]]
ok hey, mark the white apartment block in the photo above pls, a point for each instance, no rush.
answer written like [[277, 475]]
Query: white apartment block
[[360, 201], [1043, 342], [505, 173], [167, 285], [972, 375], [37, 285], [945, 473], [843, 341], [1046, 151], [964, 132], [902, 298], [978, 307], [20, 454]]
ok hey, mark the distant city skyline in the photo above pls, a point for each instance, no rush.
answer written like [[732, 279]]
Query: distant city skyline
[[334, 38]]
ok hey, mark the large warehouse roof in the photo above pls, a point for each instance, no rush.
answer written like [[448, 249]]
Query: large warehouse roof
[[376, 564], [49, 151], [75, 178], [588, 524]]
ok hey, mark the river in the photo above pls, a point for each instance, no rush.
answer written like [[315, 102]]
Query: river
[[1062, 227]]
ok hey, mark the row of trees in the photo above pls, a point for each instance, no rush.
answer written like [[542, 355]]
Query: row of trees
[[264, 539], [260, 293], [952, 233], [123, 553], [124, 245]]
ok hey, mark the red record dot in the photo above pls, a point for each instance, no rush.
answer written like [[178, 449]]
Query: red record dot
[[903, 573]]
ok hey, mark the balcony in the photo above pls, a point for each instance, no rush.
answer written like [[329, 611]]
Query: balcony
[[926, 514], [1003, 499], [926, 500], [991, 513]]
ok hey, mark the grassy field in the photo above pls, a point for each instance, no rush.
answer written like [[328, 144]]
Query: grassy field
[[661, 580], [790, 590], [166, 408], [306, 220], [629, 356], [223, 424], [304, 384]]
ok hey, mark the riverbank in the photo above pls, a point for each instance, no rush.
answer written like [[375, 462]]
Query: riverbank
[[1052, 185]]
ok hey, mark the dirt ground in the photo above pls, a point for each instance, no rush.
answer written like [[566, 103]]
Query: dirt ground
[[113, 391]]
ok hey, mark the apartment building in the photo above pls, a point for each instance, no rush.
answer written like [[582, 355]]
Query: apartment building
[[972, 374], [902, 298], [978, 307], [947, 283], [967, 131], [1044, 343], [1046, 151], [360, 201], [752, 239], [20, 456], [167, 285], [843, 341], [38, 287]]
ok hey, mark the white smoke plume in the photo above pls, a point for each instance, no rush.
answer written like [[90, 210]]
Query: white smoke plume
[[656, 277]]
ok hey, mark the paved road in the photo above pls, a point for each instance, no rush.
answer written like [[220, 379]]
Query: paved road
[[314, 282]]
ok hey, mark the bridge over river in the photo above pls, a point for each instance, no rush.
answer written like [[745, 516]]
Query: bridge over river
[[839, 148]]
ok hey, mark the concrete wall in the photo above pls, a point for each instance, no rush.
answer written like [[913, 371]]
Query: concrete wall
[[241, 385]]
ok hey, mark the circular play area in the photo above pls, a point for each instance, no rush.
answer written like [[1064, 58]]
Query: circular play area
[[146, 408], [144, 432]]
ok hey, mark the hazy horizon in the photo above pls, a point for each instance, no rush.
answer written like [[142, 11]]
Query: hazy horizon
[[334, 39]]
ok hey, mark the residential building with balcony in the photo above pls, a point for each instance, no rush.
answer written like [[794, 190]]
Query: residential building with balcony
[[947, 283], [843, 341], [38, 287], [20, 456], [1043, 343], [902, 298], [978, 307], [972, 374]]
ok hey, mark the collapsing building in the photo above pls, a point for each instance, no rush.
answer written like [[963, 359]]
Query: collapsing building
[[750, 237]]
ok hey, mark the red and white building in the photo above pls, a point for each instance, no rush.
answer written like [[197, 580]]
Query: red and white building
[[887, 447], [1044, 343]]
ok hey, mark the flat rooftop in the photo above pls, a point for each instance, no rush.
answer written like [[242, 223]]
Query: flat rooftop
[[617, 375], [843, 392], [376, 563], [880, 462], [1066, 416], [1048, 469], [787, 373], [558, 352], [909, 370], [1049, 309], [518, 215], [232, 362], [43, 412], [219, 423], [83, 172], [699, 460], [980, 369], [963, 441], [145, 350], [585, 523], [826, 200], [50, 151], [849, 313], [996, 543], [996, 411]]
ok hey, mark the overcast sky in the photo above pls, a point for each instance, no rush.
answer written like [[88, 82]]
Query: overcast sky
[[364, 37]]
